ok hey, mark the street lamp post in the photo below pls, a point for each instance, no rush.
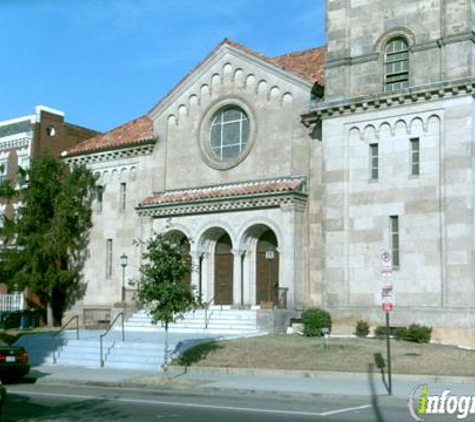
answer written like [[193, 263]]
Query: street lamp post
[[270, 255], [123, 263]]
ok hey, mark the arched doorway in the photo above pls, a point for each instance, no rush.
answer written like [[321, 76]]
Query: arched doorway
[[267, 268], [223, 271]]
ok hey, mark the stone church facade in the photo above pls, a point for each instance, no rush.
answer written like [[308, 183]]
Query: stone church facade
[[289, 176]]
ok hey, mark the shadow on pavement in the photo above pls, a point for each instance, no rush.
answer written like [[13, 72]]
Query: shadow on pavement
[[20, 408], [374, 397]]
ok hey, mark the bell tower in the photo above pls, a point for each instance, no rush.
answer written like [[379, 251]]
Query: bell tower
[[376, 46]]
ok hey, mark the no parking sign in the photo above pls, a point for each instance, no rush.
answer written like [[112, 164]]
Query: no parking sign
[[387, 294]]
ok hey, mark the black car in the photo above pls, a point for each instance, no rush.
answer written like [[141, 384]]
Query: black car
[[3, 397], [14, 362]]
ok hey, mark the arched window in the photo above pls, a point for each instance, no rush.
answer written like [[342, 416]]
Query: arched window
[[396, 64]]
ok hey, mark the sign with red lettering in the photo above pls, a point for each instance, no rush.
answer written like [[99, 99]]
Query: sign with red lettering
[[387, 294]]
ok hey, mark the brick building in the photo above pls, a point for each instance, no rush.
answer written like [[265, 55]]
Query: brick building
[[25, 138]]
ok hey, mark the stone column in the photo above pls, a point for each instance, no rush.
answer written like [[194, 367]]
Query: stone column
[[207, 288], [290, 254], [238, 281], [250, 265], [196, 271]]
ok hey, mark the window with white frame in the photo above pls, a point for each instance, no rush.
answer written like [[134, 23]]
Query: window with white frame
[[374, 161], [108, 258], [229, 133], [394, 232], [24, 162], [24, 165], [3, 169], [396, 64], [415, 157]]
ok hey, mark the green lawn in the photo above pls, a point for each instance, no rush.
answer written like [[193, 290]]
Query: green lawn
[[355, 354]]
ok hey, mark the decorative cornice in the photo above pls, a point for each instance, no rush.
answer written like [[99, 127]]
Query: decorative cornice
[[348, 61], [15, 142], [145, 148], [419, 94], [464, 36], [227, 205], [426, 45]]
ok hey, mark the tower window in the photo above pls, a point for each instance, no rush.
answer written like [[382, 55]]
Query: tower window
[[374, 161], [109, 258], [394, 227], [123, 196], [396, 64], [100, 197], [415, 157]]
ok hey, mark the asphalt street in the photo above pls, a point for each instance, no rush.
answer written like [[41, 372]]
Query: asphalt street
[[29, 402]]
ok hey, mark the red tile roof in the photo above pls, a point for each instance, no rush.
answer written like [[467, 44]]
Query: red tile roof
[[134, 132], [263, 187], [307, 63]]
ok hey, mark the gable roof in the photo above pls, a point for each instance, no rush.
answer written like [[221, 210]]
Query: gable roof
[[137, 131], [307, 64]]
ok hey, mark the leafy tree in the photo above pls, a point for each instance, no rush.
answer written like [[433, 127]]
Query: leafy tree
[[50, 232], [164, 282]]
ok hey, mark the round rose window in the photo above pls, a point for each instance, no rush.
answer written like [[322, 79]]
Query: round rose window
[[228, 133]]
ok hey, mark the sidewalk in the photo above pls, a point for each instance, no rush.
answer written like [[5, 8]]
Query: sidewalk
[[231, 381]]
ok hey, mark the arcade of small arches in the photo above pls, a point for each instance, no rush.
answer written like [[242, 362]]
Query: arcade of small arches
[[240, 270]]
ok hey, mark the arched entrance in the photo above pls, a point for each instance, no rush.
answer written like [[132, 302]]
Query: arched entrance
[[267, 269], [223, 271]]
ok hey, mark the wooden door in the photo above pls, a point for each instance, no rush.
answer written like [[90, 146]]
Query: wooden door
[[223, 272], [267, 271]]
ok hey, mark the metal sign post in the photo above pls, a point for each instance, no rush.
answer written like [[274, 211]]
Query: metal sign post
[[387, 299]]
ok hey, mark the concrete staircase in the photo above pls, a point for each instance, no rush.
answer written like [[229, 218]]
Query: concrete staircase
[[131, 354], [218, 320], [144, 341], [84, 353], [147, 356]]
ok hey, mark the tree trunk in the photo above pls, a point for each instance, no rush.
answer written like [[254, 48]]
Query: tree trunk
[[165, 354], [49, 314]]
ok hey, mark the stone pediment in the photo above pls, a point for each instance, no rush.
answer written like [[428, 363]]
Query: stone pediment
[[244, 67]]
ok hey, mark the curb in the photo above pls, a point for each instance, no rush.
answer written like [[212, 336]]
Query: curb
[[294, 373]]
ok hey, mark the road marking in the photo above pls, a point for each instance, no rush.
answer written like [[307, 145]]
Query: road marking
[[193, 405], [348, 409]]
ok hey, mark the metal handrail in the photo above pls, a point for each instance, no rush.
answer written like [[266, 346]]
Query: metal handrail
[[281, 297], [120, 314], [53, 337]]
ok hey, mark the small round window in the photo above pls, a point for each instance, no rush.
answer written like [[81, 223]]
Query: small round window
[[229, 133], [51, 131]]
